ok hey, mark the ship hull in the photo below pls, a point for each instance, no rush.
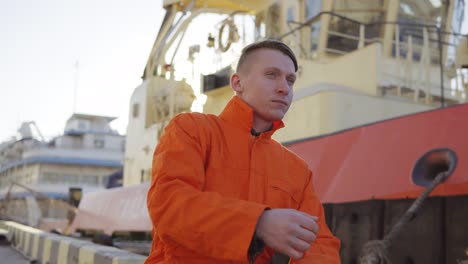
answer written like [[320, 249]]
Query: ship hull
[[365, 177]]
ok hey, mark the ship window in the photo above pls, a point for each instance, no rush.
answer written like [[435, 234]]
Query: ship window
[[456, 26], [50, 177], [99, 143], [343, 34], [90, 179], [71, 179], [458, 15], [420, 12], [291, 14], [313, 8], [81, 125], [135, 110]]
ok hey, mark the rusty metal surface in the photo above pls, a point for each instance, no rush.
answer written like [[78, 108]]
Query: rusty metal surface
[[437, 235], [355, 224], [456, 228], [422, 240]]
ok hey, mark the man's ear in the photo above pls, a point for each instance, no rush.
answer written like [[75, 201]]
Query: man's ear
[[236, 83]]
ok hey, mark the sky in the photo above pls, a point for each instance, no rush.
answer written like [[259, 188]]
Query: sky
[[52, 50], [59, 57]]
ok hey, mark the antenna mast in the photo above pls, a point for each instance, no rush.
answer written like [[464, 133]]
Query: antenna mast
[[75, 86]]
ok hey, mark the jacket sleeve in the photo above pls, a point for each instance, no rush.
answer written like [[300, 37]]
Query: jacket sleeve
[[182, 214], [326, 248]]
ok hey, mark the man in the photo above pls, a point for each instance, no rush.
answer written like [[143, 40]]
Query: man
[[223, 191]]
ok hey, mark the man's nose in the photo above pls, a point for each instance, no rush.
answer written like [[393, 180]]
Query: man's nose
[[283, 86]]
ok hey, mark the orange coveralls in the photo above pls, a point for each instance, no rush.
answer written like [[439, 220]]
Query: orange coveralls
[[211, 182]]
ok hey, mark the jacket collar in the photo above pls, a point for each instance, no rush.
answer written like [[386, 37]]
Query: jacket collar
[[240, 114]]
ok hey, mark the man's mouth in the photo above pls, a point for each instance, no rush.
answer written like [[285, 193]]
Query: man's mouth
[[280, 102]]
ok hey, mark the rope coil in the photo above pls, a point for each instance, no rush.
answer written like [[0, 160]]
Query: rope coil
[[233, 35]]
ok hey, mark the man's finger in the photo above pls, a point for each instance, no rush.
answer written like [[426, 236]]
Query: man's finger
[[306, 235], [300, 244], [293, 253], [309, 223], [308, 215]]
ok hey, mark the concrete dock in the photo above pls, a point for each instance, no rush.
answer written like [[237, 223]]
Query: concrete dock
[[11, 256]]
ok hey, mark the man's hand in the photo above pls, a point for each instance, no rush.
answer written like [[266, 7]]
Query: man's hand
[[287, 231]]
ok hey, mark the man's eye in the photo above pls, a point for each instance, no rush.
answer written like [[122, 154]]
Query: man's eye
[[270, 73], [291, 81]]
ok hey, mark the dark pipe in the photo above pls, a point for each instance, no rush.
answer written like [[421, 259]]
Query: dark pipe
[[431, 164]]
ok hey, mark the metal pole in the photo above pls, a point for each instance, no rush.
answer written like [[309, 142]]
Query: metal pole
[[441, 66]]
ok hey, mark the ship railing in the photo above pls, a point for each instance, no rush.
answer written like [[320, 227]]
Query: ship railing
[[416, 68], [413, 45]]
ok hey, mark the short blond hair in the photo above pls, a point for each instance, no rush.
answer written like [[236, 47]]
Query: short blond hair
[[267, 44]]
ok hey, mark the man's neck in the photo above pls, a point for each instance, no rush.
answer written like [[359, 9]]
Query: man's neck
[[262, 128]]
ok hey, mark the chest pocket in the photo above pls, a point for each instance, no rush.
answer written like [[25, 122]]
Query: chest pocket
[[283, 193], [226, 177]]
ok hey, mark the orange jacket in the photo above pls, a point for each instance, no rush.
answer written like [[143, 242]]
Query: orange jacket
[[212, 180]]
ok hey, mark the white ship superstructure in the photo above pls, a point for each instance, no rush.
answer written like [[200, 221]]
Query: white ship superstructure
[[83, 157]]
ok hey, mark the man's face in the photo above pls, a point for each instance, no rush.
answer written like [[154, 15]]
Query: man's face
[[265, 82]]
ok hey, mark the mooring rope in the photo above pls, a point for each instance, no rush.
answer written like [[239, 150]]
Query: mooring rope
[[376, 251]]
